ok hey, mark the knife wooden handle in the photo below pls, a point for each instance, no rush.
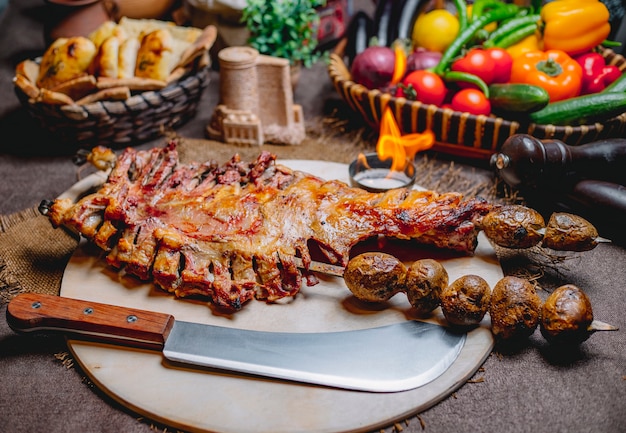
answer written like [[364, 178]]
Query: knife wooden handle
[[35, 312]]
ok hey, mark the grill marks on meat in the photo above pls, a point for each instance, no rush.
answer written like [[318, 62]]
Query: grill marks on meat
[[231, 232]]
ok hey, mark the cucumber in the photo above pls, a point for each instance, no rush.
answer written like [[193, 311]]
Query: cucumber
[[581, 109], [517, 98]]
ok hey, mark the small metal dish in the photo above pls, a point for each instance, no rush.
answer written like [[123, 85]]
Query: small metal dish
[[370, 173]]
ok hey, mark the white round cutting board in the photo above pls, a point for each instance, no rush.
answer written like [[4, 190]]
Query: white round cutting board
[[207, 400]]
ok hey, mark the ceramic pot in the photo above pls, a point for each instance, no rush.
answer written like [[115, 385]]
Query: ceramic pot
[[153, 9], [68, 18]]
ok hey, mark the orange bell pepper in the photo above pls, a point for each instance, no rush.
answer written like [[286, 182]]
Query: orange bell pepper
[[554, 70], [574, 26]]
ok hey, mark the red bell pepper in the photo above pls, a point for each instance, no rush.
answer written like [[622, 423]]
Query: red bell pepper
[[596, 73]]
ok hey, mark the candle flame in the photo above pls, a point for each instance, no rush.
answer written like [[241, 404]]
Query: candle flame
[[392, 144]]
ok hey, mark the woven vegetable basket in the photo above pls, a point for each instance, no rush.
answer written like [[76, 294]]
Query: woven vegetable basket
[[457, 133], [117, 124]]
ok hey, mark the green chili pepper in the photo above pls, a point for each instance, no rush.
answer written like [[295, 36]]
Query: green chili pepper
[[535, 6], [480, 36], [461, 12], [610, 44], [498, 14], [481, 6], [514, 37], [511, 26], [456, 76]]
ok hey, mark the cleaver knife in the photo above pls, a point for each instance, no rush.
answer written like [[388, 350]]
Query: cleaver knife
[[390, 358]]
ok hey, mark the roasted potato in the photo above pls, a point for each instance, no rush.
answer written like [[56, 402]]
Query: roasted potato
[[374, 276], [425, 280], [515, 308], [466, 301], [514, 226], [568, 232], [566, 315]]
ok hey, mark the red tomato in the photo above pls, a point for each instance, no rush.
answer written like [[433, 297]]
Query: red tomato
[[423, 86], [477, 61], [503, 63], [472, 101]]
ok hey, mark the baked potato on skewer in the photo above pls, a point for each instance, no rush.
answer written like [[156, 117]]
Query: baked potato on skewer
[[518, 227], [567, 317]]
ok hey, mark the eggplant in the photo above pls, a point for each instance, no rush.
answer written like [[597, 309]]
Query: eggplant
[[383, 22], [602, 203], [359, 34], [606, 197], [394, 19], [404, 17]]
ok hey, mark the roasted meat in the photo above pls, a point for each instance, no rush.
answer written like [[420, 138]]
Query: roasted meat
[[231, 232]]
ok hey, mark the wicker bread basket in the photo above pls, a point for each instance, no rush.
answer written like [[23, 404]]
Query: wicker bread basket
[[118, 124], [457, 133]]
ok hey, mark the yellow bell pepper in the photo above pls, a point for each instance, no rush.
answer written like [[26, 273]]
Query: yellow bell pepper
[[574, 26], [529, 43]]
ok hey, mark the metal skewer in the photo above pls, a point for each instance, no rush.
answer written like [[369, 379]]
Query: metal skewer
[[324, 268]]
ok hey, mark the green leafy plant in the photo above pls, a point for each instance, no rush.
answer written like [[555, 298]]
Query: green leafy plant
[[284, 28]]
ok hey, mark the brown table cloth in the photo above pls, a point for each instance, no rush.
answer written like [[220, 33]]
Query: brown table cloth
[[530, 387]]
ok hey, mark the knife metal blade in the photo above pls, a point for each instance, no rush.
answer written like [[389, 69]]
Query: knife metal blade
[[390, 358]]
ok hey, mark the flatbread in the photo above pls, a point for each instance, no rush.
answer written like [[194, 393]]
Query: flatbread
[[112, 94], [133, 83], [53, 98], [29, 69], [27, 86], [138, 27], [77, 87], [202, 44]]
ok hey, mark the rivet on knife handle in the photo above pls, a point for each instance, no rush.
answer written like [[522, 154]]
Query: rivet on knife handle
[[33, 312]]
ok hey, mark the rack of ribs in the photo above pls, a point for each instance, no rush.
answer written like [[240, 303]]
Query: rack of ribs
[[236, 231]]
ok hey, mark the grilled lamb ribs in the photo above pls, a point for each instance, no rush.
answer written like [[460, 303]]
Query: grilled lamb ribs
[[231, 232]]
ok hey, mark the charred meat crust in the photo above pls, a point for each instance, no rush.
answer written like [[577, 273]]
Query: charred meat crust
[[230, 232]]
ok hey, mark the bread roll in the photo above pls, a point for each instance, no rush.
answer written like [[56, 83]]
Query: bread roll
[[105, 31], [65, 59], [127, 58], [155, 58], [107, 59]]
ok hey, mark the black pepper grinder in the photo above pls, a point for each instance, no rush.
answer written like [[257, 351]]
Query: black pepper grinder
[[526, 162]]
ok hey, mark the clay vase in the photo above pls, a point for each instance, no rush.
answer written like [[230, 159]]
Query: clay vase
[[68, 18], [153, 9]]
